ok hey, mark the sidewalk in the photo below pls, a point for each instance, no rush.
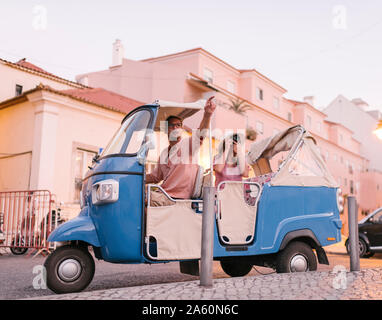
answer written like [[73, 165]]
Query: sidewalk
[[339, 284], [334, 285]]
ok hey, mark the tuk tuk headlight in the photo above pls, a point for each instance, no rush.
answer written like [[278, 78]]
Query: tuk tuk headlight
[[340, 200], [105, 191]]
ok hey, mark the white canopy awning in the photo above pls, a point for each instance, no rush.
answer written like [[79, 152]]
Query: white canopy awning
[[304, 165], [269, 147], [178, 109]]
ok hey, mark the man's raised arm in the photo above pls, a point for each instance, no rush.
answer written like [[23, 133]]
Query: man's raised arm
[[209, 109]]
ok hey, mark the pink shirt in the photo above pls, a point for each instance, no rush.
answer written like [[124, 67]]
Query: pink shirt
[[177, 168], [229, 173]]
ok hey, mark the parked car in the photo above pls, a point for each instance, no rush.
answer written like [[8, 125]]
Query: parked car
[[370, 234]]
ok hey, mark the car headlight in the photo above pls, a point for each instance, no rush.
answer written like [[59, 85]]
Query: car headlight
[[105, 191]]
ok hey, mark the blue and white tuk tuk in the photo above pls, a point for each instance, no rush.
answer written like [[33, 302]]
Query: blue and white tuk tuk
[[282, 222]]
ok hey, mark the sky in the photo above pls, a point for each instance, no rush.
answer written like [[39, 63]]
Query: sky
[[321, 48]]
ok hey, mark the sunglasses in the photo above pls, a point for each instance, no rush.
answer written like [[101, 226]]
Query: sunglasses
[[175, 125]]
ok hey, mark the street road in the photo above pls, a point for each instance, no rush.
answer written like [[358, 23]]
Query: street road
[[16, 273]]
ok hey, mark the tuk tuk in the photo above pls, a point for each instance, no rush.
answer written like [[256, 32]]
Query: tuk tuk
[[280, 219]]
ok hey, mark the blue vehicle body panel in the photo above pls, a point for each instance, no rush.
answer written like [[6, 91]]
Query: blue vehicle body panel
[[80, 228], [119, 224], [283, 209], [115, 227]]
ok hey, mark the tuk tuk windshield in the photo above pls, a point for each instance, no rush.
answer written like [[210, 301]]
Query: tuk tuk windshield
[[130, 136]]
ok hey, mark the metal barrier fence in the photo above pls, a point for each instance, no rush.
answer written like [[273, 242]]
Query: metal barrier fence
[[26, 219]]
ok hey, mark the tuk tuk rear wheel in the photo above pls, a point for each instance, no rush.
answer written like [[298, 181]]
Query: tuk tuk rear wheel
[[296, 257], [69, 269], [236, 268]]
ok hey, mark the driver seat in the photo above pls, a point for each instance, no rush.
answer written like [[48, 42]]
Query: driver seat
[[198, 186]]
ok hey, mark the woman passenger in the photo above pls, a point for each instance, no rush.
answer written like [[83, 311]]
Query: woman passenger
[[229, 163]]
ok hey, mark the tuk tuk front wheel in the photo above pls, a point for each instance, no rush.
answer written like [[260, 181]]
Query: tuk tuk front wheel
[[69, 269], [236, 268], [296, 257]]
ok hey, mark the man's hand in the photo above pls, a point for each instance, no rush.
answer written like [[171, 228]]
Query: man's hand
[[210, 106], [209, 109]]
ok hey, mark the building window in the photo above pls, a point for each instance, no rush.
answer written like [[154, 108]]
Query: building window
[[259, 94], [231, 86], [318, 126], [276, 103], [260, 127], [18, 90], [208, 75], [335, 157], [309, 121], [351, 187], [290, 116], [351, 168], [83, 160]]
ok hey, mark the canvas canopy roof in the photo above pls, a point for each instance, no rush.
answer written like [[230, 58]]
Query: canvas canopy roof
[[303, 166], [269, 147], [181, 110]]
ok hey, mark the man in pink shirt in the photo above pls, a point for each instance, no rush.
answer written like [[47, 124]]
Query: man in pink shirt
[[177, 167]]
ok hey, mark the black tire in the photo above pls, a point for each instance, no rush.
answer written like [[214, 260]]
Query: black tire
[[363, 249], [236, 269], [18, 251], [296, 257], [76, 260], [369, 254]]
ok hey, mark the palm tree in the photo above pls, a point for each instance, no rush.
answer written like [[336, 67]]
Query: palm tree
[[239, 106], [251, 134]]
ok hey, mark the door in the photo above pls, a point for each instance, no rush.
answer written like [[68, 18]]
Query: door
[[374, 230], [173, 231], [237, 210]]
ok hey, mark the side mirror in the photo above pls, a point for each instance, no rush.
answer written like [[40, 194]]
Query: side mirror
[[141, 156], [147, 145]]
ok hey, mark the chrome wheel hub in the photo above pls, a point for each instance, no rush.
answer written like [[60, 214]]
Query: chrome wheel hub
[[69, 270], [299, 263]]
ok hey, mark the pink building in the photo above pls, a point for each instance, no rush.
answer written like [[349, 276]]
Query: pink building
[[50, 129], [194, 74]]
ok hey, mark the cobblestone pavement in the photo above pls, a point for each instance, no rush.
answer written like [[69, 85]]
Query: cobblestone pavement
[[338, 284]]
